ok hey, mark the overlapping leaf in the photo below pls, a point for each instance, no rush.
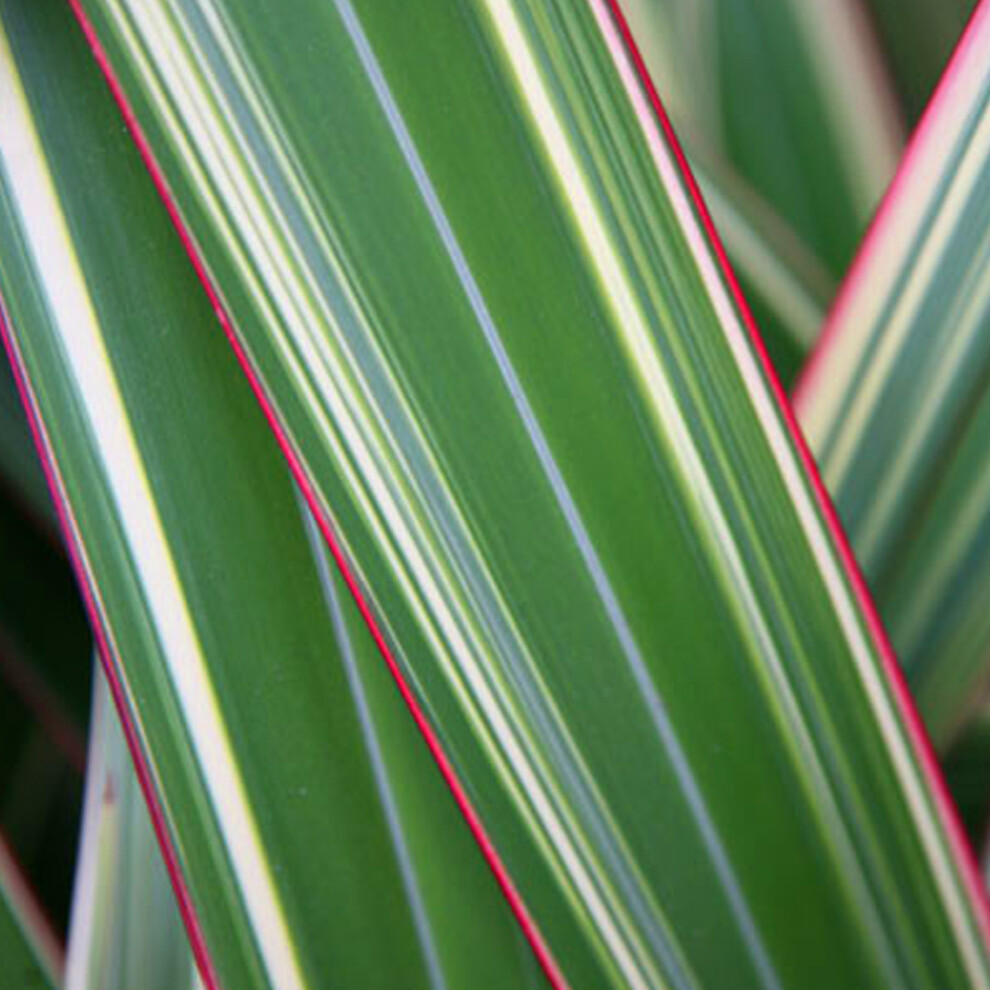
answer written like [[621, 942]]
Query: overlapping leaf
[[895, 403], [791, 94], [789, 124], [30, 957], [211, 614], [786, 286], [126, 930], [464, 264]]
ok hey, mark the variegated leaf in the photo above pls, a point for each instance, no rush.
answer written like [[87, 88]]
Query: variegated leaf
[[895, 401], [221, 650], [468, 276]]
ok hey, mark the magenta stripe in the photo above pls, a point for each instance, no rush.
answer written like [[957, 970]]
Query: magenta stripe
[[917, 734], [299, 471], [860, 267], [106, 649]]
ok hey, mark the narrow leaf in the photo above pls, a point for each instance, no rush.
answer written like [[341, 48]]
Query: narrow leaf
[[895, 401], [126, 930], [471, 282]]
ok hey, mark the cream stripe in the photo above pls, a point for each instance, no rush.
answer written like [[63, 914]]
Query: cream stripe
[[881, 261], [457, 644], [793, 474], [73, 317]]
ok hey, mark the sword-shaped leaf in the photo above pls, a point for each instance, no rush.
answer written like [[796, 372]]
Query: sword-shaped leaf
[[468, 275], [208, 605], [126, 930]]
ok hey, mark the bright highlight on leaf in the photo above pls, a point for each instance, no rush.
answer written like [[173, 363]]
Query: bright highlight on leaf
[[219, 642], [471, 607]]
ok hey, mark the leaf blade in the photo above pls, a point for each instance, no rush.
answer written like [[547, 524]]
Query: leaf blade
[[381, 530], [159, 450], [894, 404]]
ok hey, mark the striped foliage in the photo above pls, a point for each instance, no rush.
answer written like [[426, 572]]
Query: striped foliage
[[895, 402], [267, 783], [517, 389], [126, 930], [791, 95]]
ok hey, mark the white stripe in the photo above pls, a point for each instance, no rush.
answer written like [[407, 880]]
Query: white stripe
[[379, 768], [74, 319], [645, 361], [836, 582]]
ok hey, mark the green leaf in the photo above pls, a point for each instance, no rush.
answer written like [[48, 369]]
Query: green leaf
[[791, 94], [895, 401], [126, 930], [466, 269], [431, 853], [206, 599]]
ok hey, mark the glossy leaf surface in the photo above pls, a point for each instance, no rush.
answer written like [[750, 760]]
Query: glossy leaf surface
[[895, 402], [501, 352], [211, 615]]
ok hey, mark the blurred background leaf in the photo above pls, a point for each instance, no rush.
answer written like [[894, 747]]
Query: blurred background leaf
[[44, 706], [918, 37], [791, 100], [895, 402]]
